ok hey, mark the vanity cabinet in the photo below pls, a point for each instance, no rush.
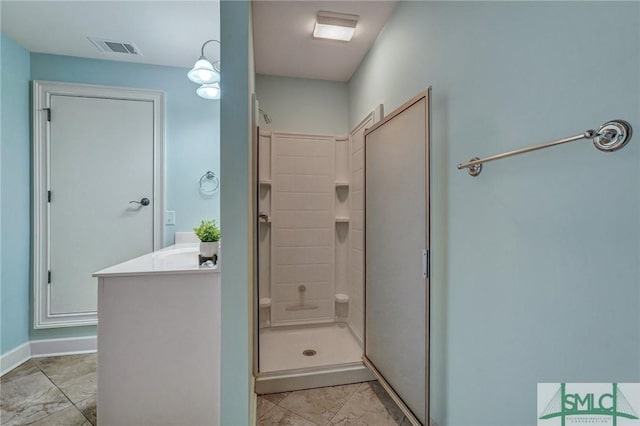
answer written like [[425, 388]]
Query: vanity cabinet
[[158, 342]]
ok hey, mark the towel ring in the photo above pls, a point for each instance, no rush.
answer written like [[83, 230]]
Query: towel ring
[[209, 183]]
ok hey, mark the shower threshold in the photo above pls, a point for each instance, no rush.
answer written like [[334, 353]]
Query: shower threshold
[[312, 377]]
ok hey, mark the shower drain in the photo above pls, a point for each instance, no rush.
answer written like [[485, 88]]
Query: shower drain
[[309, 352]]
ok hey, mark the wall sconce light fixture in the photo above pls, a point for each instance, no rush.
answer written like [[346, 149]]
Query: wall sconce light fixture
[[207, 74]]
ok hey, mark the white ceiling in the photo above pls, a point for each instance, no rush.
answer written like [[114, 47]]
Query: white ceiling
[[284, 45], [172, 32], [166, 32]]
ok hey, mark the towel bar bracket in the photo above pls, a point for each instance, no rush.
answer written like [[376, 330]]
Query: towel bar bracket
[[475, 169]]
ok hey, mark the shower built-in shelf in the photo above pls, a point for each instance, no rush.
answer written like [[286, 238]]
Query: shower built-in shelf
[[265, 182], [342, 298], [342, 184], [342, 219]]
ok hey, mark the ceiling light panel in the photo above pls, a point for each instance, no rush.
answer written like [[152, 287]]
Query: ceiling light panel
[[335, 26]]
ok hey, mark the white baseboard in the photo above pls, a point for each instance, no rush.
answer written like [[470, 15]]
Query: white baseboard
[[14, 358], [65, 346], [48, 347]]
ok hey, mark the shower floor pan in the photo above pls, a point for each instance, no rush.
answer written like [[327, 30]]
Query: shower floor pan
[[285, 367]]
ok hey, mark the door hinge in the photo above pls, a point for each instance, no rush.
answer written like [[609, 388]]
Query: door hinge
[[49, 196], [48, 113], [48, 277], [426, 264]]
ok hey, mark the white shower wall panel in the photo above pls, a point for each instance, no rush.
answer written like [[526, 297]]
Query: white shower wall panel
[[302, 202], [315, 166], [342, 178], [303, 219], [303, 237], [302, 275], [303, 255], [297, 183], [288, 292], [264, 205], [302, 246], [304, 147]]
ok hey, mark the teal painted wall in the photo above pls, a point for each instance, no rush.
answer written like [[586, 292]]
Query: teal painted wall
[[15, 176], [303, 105], [191, 142], [237, 78], [536, 275]]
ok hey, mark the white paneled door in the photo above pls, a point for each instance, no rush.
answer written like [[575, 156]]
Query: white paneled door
[[102, 196], [397, 255]]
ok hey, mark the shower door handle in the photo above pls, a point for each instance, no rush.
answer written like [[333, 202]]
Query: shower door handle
[[425, 263]]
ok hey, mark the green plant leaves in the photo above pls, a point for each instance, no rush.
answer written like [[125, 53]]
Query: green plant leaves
[[207, 231]]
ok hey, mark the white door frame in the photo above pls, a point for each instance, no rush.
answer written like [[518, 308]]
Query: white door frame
[[42, 92]]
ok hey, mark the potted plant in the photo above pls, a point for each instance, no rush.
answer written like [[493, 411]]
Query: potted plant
[[209, 235]]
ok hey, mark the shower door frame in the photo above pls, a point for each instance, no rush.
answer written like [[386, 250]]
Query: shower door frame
[[255, 230], [426, 95]]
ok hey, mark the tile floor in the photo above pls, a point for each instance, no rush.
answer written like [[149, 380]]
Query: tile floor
[[61, 390], [50, 391], [364, 404]]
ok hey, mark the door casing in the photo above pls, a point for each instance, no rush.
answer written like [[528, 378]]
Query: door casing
[[42, 92]]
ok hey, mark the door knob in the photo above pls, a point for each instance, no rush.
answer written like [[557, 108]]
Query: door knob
[[143, 201]]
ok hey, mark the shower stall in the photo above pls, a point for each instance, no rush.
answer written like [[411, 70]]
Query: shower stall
[[312, 308], [310, 258]]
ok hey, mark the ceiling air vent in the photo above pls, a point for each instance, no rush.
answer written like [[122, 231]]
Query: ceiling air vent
[[112, 46]]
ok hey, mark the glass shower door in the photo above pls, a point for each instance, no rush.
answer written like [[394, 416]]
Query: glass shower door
[[397, 255]]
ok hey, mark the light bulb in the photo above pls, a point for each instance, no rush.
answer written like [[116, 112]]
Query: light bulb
[[209, 91], [203, 72]]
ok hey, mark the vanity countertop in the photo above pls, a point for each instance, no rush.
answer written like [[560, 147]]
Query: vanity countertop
[[179, 258]]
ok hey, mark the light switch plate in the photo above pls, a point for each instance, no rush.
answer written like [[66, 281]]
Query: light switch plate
[[170, 217]]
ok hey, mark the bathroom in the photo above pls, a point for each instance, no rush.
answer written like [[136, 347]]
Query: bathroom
[[535, 241]]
